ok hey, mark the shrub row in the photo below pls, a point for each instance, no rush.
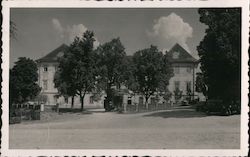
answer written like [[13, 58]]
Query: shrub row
[[219, 107]]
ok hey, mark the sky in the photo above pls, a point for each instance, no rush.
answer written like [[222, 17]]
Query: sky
[[39, 31]]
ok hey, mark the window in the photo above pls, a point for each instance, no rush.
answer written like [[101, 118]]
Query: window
[[188, 87], [66, 99], [45, 84], [176, 70], [177, 85], [91, 99], [129, 101], [45, 68], [176, 55], [189, 69]]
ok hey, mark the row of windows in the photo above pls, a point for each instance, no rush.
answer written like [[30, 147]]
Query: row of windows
[[177, 70], [188, 85]]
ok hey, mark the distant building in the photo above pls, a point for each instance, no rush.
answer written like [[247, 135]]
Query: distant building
[[47, 67], [183, 63], [185, 68]]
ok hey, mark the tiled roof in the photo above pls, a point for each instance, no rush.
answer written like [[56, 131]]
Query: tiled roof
[[179, 55], [53, 55]]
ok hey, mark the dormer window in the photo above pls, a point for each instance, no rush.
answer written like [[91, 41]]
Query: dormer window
[[45, 68], [176, 55], [60, 54]]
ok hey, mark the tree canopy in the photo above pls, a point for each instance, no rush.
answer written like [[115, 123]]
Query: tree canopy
[[200, 85], [111, 58], [64, 89], [152, 71], [77, 68], [23, 81], [220, 52]]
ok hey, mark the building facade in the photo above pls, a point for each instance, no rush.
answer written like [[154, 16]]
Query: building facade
[[185, 69], [47, 67], [183, 63]]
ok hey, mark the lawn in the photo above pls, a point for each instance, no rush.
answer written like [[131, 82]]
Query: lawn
[[180, 128]]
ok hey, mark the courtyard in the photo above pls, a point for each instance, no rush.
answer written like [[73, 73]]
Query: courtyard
[[178, 128]]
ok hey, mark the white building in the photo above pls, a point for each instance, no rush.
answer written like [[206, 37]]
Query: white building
[[183, 63]]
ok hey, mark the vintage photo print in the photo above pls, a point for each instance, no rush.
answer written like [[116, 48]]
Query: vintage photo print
[[144, 78]]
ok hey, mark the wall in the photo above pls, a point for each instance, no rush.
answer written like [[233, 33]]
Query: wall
[[183, 77]]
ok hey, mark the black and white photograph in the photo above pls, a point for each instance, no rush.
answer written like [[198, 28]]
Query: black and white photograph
[[125, 77]]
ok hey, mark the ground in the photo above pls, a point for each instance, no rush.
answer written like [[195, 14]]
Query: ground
[[181, 128]]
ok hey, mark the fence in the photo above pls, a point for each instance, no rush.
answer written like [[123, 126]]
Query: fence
[[19, 112], [133, 108]]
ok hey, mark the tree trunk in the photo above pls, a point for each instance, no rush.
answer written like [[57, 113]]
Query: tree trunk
[[72, 101], [146, 103], [109, 97], [82, 102]]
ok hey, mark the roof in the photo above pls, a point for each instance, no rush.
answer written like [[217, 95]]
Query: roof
[[179, 55], [53, 55]]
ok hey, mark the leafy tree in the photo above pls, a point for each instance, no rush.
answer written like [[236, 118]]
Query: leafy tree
[[200, 85], [65, 89], [23, 81], [129, 74], [166, 95], [177, 94], [152, 71], [41, 98], [220, 52], [77, 68], [111, 56]]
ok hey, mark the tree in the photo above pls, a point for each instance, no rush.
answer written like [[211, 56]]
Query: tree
[[220, 52], [128, 75], [200, 85], [65, 89], [111, 56], [152, 71], [77, 68], [177, 94], [23, 81]]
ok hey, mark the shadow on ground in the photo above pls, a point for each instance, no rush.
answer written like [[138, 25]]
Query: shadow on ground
[[73, 110], [178, 113]]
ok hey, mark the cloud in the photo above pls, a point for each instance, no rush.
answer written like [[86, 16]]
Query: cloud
[[171, 29], [57, 25], [75, 30], [96, 43], [69, 33]]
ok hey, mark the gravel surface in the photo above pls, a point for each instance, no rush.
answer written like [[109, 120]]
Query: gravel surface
[[181, 128]]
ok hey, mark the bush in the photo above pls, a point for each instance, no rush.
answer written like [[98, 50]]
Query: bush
[[220, 107], [14, 120]]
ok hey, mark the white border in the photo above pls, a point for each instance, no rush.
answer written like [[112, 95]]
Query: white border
[[244, 4]]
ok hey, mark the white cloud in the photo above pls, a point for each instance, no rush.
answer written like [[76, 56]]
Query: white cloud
[[58, 27], [171, 29], [75, 30], [70, 32], [96, 43]]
